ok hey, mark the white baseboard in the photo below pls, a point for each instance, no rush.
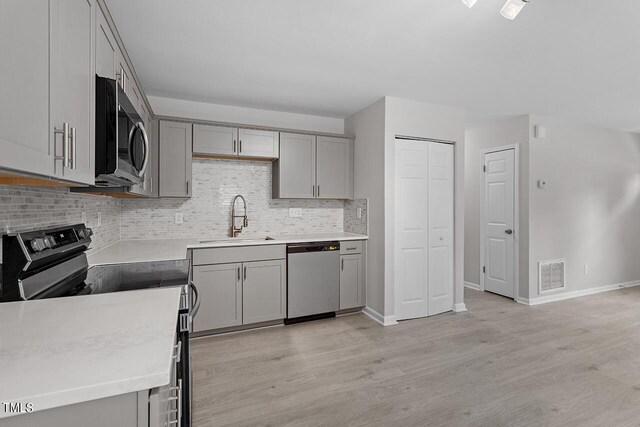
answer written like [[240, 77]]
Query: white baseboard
[[543, 299], [472, 285], [459, 308], [383, 320]]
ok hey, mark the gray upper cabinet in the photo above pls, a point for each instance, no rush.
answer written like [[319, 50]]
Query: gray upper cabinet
[[334, 174], [175, 159], [73, 83], [294, 173], [107, 50], [211, 140], [223, 141], [313, 167], [258, 143], [25, 136], [47, 110]]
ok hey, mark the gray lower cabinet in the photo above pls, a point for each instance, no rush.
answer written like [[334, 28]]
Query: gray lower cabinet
[[220, 290], [224, 141], [352, 274], [313, 167], [47, 100], [174, 172], [239, 285], [264, 291]]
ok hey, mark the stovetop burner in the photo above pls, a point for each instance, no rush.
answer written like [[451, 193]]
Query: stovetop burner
[[102, 279]]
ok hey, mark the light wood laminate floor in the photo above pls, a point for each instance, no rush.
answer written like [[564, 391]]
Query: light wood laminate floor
[[574, 362]]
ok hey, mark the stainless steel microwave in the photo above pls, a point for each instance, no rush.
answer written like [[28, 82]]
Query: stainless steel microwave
[[122, 144]]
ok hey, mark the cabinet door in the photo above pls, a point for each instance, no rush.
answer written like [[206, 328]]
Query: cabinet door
[[220, 288], [263, 291], [175, 159], [334, 160], [106, 48], [215, 140], [351, 281], [258, 143], [295, 170], [25, 135], [73, 84]]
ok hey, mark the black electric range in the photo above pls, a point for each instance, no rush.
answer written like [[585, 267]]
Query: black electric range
[[52, 263]]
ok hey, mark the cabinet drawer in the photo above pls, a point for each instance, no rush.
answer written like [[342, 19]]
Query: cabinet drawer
[[351, 247], [238, 254]]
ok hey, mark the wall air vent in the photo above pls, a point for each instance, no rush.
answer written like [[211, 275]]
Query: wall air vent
[[551, 275]]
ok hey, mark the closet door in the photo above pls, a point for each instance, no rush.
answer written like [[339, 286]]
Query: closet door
[[440, 224], [411, 266]]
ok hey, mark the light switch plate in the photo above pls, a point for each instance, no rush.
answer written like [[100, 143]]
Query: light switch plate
[[84, 218], [359, 213], [179, 217], [295, 212], [99, 218]]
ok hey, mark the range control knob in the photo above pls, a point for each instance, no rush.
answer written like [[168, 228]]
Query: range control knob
[[81, 234], [37, 244], [52, 241]]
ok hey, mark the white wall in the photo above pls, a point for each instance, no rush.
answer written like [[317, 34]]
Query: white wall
[[249, 116], [589, 212], [418, 119], [368, 126], [508, 131]]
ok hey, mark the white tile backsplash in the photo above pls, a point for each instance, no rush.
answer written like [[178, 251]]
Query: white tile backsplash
[[205, 216], [28, 208], [207, 213]]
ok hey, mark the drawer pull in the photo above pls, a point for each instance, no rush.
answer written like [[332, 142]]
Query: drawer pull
[[352, 249]]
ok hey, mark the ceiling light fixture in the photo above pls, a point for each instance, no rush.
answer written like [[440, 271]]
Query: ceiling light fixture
[[469, 3], [512, 8]]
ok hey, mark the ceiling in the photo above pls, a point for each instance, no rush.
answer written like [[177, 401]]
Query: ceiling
[[578, 59]]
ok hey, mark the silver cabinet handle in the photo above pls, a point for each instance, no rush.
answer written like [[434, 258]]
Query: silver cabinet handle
[[342, 266], [187, 187], [73, 149], [122, 77], [65, 144], [234, 146], [318, 191], [313, 190], [240, 146], [238, 274], [245, 273], [351, 249]]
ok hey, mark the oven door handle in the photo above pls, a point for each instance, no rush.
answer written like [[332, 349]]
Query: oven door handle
[[196, 304]]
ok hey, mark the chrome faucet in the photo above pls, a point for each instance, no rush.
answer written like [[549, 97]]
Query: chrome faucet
[[245, 222]]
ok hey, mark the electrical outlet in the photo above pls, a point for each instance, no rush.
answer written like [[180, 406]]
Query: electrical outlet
[[295, 212], [359, 213], [586, 269], [99, 218], [179, 217], [84, 218]]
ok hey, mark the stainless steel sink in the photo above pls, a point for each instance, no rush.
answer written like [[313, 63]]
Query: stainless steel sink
[[238, 240]]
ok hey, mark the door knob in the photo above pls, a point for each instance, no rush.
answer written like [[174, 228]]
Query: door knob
[[508, 231]]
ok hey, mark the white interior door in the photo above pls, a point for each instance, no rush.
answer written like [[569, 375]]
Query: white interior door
[[498, 222], [423, 279], [440, 222]]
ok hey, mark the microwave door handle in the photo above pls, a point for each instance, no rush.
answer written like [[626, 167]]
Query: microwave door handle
[[145, 138]]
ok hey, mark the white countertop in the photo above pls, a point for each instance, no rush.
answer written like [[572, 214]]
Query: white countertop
[[126, 251], [57, 352]]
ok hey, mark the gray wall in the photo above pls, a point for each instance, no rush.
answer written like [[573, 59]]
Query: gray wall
[[368, 126], [589, 212], [509, 131], [29, 208], [375, 128], [418, 119]]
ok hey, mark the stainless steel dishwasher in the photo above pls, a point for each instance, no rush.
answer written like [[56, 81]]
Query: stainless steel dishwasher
[[313, 280]]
